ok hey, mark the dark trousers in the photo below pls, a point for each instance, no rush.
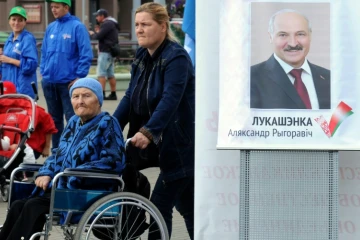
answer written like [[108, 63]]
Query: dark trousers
[[25, 217], [178, 194], [59, 104]]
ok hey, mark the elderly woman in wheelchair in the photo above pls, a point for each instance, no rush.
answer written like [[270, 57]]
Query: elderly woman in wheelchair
[[92, 139], [91, 155]]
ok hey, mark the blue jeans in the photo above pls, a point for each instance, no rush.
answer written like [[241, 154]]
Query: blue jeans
[[59, 104], [179, 194], [105, 67]]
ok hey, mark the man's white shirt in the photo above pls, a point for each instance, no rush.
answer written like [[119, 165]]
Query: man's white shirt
[[306, 77]]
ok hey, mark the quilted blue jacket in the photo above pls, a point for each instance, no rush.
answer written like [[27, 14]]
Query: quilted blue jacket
[[98, 144]]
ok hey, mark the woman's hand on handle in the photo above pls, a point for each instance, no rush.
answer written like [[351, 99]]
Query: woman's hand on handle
[[140, 141]]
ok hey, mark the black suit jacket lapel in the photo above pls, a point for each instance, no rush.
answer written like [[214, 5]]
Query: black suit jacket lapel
[[277, 74], [321, 86]]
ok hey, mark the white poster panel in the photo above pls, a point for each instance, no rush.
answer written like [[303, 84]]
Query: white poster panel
[[217, 171], [263, 104]]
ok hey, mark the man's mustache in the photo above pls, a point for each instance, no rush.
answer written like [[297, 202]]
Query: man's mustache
[[296, 48]]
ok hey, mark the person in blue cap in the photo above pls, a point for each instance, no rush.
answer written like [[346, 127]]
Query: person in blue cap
[[66, 56], [92, 139], [19, 58]]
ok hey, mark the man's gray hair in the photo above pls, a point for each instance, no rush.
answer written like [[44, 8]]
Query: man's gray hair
[[272, 19]]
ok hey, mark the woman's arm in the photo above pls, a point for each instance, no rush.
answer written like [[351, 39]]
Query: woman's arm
[[29, 55], [85, 51], [13, 61], [175, 81], [48, 168], [123, 109]]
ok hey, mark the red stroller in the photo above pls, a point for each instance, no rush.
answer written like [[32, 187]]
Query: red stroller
[[17, 122]]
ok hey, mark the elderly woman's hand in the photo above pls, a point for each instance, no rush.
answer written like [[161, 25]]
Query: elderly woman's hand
[[140, 141], [42, 182]]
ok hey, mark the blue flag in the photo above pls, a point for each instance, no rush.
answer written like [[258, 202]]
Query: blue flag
[[188, 28]]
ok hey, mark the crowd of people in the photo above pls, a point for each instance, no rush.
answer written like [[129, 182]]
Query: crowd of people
[[159, 106]]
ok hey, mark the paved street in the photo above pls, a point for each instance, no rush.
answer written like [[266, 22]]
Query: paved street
[[179, 230]]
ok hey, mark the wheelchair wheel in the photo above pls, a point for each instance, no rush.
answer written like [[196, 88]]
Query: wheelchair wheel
[[5, 193], [122, 216]]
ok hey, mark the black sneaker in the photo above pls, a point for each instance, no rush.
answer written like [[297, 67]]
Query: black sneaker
[[111, 97]]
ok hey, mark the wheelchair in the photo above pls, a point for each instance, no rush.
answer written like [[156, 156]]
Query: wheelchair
[[103, 214]]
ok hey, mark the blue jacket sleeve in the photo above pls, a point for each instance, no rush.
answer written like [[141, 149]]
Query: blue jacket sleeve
[[85, 51], [48, 169], [175, 82], [123, 109], [43, 53], [29, 56]]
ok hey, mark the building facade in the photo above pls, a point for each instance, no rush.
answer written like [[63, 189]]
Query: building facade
[[39, 13]]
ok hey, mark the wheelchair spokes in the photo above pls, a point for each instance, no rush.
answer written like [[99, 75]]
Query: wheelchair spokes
[[123, 216]]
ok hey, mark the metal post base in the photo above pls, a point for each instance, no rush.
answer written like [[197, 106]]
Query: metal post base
[[288, 195]]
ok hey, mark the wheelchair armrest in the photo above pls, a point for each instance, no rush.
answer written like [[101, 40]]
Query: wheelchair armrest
[[30, 166], [93, 172]]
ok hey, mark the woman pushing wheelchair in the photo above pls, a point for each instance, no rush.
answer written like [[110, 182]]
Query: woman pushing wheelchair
[[159, 106]]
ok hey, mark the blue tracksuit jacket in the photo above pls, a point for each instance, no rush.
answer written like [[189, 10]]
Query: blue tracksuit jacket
[[23, 49], [66, 52]]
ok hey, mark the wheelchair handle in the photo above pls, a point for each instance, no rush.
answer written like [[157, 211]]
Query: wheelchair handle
[[127, 142]]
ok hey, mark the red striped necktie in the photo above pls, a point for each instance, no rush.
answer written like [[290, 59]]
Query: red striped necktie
[[300, 87]]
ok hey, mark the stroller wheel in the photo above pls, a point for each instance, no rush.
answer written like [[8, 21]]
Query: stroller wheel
[[5, 193]]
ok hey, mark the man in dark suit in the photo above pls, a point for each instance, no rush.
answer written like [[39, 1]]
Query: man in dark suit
[[287, 80]]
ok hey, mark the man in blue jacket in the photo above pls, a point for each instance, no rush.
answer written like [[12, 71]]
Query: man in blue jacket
[[66, 56]]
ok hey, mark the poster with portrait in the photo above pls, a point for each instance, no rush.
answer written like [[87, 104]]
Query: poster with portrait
[[217, 186], [288, 76]]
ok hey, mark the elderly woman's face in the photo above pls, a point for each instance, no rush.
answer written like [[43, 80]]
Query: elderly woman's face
[[85, 103]]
